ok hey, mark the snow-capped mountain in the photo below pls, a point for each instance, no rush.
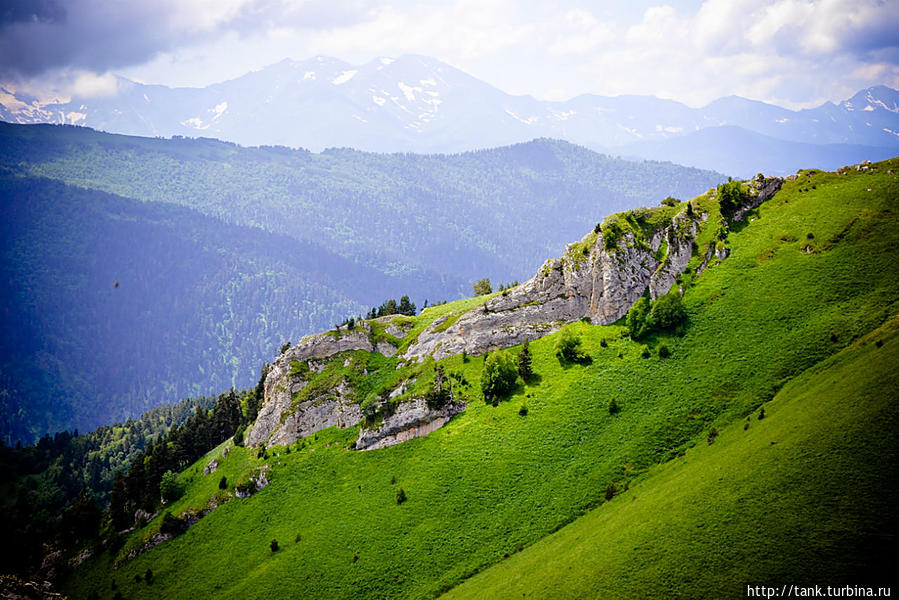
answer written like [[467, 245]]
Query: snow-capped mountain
[[418, 104]]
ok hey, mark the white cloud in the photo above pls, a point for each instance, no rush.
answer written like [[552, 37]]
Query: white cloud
[[90, 85], [790, 51]]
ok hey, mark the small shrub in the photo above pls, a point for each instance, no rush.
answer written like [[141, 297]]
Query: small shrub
[[499, 376], [171, 524], [731, 196], [667, 312], [238, 436], [637, 318], [298, 539], [274, 545], [713, 433], [603, 343], [482, 287], [746, 426], [464, 356], [762, 413], [614, 409], [644, 351], [223, 483], [523, 411], [664, 352], [611, 490], [148, 576], [400, 496], [568, 346], [393, 481], [170, 488]]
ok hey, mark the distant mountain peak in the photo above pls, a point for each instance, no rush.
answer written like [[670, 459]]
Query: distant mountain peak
[[415, 103]]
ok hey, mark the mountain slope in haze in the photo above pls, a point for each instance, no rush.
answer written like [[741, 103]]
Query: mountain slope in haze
[[457, 215], [791, 304], [238, 250], [112, 306], [730, 149], [419, 104]]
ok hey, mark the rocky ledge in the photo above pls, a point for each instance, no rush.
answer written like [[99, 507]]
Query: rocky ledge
[[410, 420]]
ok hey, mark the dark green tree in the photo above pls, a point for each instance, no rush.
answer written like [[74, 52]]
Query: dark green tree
[[731, 196], [440, 393], [118, 503], [406, 307], [170, 489], [524, 362]]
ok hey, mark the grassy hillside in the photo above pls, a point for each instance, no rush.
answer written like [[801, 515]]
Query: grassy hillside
[[810, 273], [803, 497]]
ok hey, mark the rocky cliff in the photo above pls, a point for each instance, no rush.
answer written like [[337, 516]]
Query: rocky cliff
[[598, 278], [279, 422]]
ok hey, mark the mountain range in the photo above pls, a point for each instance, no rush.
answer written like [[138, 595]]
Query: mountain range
[[419, 104]]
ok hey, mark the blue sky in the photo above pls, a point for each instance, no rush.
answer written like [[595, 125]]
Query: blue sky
[[795, 53]]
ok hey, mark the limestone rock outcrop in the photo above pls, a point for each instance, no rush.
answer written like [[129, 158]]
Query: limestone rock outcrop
[[589, 281], [277, 422], [596, 278], [410, 420]]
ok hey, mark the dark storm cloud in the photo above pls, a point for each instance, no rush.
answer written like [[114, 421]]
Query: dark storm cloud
[[98, 35], [25, 11]]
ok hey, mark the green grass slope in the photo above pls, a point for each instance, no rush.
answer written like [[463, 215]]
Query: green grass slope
[[811, 272], [804, 497]]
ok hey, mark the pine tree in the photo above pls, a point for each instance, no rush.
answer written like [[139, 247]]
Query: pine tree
[[524, 362]]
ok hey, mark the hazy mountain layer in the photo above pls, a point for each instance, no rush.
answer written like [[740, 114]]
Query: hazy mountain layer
[[419, 104]]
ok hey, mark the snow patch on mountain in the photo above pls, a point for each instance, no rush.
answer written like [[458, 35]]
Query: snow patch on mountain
[[309, 75], [526, 121], [408, 91], [344, 77]]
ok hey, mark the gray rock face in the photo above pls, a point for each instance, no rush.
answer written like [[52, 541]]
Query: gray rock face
[[588, 281], [271, 428], [411, 420]]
